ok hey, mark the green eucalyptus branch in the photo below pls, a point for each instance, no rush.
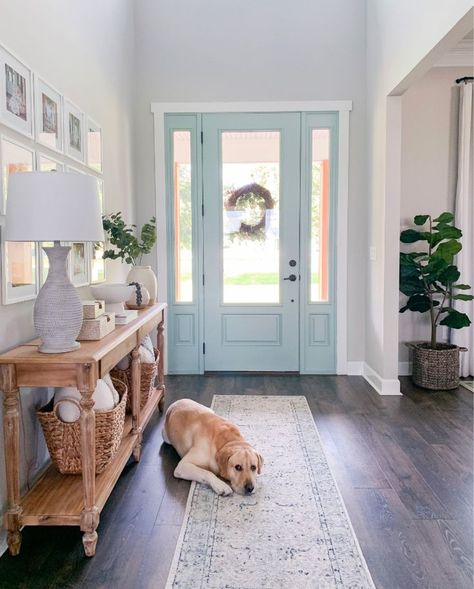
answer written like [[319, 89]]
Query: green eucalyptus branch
[[126, 245]]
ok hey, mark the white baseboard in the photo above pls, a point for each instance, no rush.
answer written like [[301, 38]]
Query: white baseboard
[[383, 386], [355, 368], [405, 368]]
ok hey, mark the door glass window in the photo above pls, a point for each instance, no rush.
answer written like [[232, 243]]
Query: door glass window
[[251, 209], [183, 251], [320, 170]]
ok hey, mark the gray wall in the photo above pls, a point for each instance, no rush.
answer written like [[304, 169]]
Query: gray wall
[[213, 51], [430, 111], [83, 49]]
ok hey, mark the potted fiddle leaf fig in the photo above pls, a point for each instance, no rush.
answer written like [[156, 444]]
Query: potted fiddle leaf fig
[[131, 249], [431, 281]]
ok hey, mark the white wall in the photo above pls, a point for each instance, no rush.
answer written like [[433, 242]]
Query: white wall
[[399, 36], [213, 51], [430, 110], [84, 49]]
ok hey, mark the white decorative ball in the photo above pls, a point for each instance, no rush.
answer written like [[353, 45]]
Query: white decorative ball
[[140, 298]]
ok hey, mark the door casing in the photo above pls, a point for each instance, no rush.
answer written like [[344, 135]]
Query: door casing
[[342, 108]]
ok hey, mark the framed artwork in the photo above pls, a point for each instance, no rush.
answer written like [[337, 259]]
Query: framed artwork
[[79, 263], [74, 132], [14, 158], [97, 262], [16, 95], [19, 271], [48, 115], [100, 188], [94, 145], [45, 163]]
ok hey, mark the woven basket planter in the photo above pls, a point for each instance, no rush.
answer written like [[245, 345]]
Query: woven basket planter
[[64, 439], [148, 374], [436, 369]]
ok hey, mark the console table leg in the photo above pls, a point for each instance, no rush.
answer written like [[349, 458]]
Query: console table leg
[[90, 513], [11, 419], [160, 344], [135, 395]]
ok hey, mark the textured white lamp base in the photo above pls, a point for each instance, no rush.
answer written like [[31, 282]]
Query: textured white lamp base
[[58, 308]]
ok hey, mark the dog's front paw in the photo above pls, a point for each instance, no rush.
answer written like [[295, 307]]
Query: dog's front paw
[[222, 488]]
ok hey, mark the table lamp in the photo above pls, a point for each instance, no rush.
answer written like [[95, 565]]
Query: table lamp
[[55, 206]]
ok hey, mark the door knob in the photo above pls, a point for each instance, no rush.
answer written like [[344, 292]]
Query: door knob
[[291, 277]]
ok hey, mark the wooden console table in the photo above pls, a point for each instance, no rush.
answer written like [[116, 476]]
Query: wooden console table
[[71, 500]]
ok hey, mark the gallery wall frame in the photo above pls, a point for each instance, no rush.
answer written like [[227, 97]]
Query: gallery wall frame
[[47, 163], [15, 156], [74, 133], [94, 145], [49, 119], [16, 94]]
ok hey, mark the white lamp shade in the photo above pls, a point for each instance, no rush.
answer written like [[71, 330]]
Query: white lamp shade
[[53, 206]]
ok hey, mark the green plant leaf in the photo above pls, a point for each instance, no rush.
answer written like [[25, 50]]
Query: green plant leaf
[[421, 219], [403, 309], [418, 302], [447, 250], [445, 218], [410, 236], [449, 275], [412, 286], [461, 286], [463, 297], [456, 320]]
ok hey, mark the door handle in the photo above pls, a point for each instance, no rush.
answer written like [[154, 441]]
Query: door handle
[[291, 277]]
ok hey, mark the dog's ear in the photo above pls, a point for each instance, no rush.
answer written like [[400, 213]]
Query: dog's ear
[[259, 463], [222, 459]]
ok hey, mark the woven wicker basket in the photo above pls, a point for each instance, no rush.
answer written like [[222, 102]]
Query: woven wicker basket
[[148, 374], [436, 369], [64, 439]]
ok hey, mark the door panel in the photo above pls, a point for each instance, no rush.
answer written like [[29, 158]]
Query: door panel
[[251, 223]]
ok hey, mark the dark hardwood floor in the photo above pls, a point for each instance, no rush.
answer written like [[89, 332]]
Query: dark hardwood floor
[[404, 466]]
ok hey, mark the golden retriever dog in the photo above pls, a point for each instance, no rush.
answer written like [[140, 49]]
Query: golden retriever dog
[[211, 447]]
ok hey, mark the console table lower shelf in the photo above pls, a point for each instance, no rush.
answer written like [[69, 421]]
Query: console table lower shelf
[[57, 499]]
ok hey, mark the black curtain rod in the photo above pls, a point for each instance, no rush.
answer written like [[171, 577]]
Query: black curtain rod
[[466, 79]]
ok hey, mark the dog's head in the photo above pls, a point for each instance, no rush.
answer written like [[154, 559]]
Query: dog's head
[[240, 465]]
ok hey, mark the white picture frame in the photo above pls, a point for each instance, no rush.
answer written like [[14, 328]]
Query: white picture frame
[[74, 134], [49, 118], [79, 263], [74, 170], [97, 263], [94, 146], [16, 290], [16, 94], [46, 163], [14, 157]]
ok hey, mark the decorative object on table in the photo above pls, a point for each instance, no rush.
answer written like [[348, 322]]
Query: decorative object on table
[[114, 294], [92, 309], [61, 207], [301, 533], [430, 280], [95, 329], [48, 115], [16, 94], [148, 374], [74, 145], [64, 439], [140, 298], [126, 316], [131, 250]]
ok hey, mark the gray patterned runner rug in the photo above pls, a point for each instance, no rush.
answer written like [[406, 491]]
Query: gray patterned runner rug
[[293, 533]]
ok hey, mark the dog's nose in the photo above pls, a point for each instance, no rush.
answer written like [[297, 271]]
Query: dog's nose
[[249, 488]]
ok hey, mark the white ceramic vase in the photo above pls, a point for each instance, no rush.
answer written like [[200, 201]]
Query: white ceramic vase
[[144, 275]]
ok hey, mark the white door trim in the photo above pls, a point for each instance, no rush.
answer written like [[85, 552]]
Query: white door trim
[[159, 109]]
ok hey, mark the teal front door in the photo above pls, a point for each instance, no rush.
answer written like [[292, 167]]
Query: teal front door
[[251, 187], [252, 225]]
